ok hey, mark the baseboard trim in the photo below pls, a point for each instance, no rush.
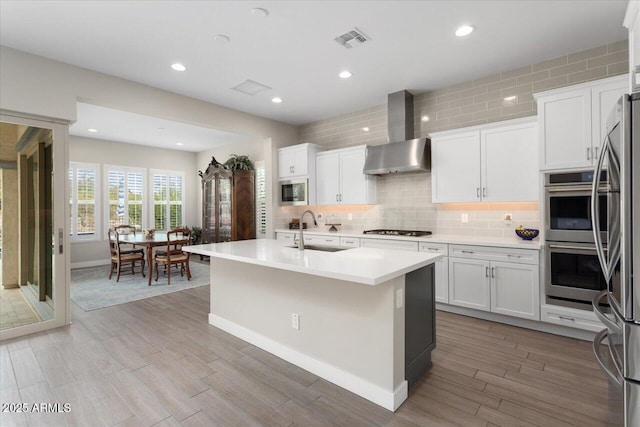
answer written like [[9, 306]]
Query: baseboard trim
[[94, 263], [550, 328], [390, 400]]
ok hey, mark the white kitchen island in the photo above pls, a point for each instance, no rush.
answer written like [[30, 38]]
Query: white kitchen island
[[350, 307]]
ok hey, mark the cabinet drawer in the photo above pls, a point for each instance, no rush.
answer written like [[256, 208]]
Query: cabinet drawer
[[521, 256], [389, 244], [571, 317], [350, 242], [322, 240], [285, 236], [441, 248]]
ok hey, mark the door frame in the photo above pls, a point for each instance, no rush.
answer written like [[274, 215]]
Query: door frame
[[61, 264]]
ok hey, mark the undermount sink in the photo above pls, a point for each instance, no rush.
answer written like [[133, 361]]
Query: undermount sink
[[321, 248]]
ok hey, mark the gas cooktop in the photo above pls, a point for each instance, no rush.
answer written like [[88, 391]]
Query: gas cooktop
[[407, 233]]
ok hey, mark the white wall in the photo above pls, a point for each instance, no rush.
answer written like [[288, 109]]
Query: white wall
[[39, 86], [139, 156]]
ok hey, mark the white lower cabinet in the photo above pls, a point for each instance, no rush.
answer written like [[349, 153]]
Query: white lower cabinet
[[285, 236], [515, 290], [350, 242], [574, 318], [441, 269], [389, 244], [315, 239], [469, 283], [491, 279]]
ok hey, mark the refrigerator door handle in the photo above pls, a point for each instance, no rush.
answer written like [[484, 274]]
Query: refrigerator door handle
[[611, 324], [597, 341], [595, 211]]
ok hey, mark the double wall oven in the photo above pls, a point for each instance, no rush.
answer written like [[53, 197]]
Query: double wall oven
[[573, 273]]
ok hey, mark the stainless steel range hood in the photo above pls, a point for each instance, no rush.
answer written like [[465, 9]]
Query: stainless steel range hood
[[402, 153]]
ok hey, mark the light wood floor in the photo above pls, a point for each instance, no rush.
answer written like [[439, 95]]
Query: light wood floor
[[156, 362]]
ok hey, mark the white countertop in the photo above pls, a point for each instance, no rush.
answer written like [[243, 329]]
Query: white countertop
[[368, 266], [514, 242]]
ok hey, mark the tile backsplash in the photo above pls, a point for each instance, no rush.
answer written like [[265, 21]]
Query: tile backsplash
[[404, 200]]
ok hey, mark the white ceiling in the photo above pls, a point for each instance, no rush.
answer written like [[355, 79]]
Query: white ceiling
[[116, 125], [292, 50]]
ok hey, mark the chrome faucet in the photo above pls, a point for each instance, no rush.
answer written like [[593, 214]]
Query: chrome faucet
[[315, 223]]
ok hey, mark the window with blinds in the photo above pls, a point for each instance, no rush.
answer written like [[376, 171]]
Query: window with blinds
[[261, 200], [83, 201], [125, 196], [168, 199]]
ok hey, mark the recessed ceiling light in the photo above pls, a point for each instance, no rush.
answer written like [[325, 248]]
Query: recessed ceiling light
[[464, 30], [276, 100], [160, 128], [92, 130], [425, 118], [345, 74], [260, 12], [366, 129], [178, 67], [510, 98], [179, 143], [221, 39]]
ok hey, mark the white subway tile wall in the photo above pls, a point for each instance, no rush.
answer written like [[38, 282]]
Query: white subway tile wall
[[404, 201]]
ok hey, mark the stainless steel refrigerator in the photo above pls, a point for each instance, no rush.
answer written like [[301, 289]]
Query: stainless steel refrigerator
[[617, 348]]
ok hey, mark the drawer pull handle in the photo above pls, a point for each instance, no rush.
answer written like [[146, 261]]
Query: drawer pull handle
[[514, 256], [434, 249], [467, 252], [567, 318]]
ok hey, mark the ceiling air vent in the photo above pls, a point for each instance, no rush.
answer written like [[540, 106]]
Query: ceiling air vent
[[352, 38], [250, 87]]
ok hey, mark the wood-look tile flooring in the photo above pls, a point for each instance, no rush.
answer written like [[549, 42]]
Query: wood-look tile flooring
[[15, 310], [156, 362]]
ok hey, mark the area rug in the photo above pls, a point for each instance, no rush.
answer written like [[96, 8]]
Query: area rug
[[91, 288]]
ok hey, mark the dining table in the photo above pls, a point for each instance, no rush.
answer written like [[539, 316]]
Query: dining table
[[148, 241]]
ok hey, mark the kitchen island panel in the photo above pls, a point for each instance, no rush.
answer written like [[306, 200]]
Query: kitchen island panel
[[350, 334]]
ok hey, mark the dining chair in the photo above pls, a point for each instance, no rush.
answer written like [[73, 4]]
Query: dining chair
[[173, 255], [128, 229], [120, 257]]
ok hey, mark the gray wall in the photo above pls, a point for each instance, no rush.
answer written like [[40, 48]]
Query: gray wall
[[120, 154], [404, 200]]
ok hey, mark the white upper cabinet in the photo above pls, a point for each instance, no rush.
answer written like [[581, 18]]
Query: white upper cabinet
[[572, 122], [565, 129], [492, 163], [509, 163], [340, 180], [296, 161], [455, 170]]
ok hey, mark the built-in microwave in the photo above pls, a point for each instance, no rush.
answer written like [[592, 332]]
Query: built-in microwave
[[294, 192]]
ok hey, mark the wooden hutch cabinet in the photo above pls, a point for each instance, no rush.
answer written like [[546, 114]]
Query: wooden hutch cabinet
[[228, 204]]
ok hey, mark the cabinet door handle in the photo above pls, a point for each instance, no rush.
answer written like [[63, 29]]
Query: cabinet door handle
[[493, 272], [478, 192], [336, 197], [595, 152], [588, 153], [486, 272], [340, 197], [484, 191]]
